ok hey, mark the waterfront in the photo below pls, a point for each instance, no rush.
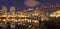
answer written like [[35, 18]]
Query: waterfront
[[29, 19]]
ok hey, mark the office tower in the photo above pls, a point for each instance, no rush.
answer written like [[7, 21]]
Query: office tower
[[4, 9], [12, 10]]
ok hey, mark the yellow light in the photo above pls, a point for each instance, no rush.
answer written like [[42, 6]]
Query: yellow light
[[4, 20], [35, 14], [23, 16], [18, 15], [19, 20], [12, 19], [36, 21], [25, 19], [8, 15], [52, 15], [55, 14], [12, 15], [15, 20], [4, 15]]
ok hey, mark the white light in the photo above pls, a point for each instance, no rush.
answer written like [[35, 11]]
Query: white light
[[29, 20]]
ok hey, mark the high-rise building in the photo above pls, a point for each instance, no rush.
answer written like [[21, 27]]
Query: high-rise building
[[12, 10], [4, 9]]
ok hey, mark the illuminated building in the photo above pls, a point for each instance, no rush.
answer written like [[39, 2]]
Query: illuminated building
[[55, 14], [12, 9], [33, 16], [24, 13], [4, 9]]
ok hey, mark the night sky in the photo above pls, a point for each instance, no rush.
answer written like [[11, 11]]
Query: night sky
[[20, 5]]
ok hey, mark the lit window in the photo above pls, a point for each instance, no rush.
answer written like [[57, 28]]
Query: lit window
[[29, 20]]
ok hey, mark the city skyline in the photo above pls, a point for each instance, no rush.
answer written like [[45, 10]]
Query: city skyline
[[26, 4], [49, 9], [20, 5]]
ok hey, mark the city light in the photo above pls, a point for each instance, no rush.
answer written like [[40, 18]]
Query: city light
[[30, 17], [15, 20], [29, 14], [12, 19], [9, 16], [12, 15], [4, 20], [4, 15], [55, 14], [36, 21], [19, 20]]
